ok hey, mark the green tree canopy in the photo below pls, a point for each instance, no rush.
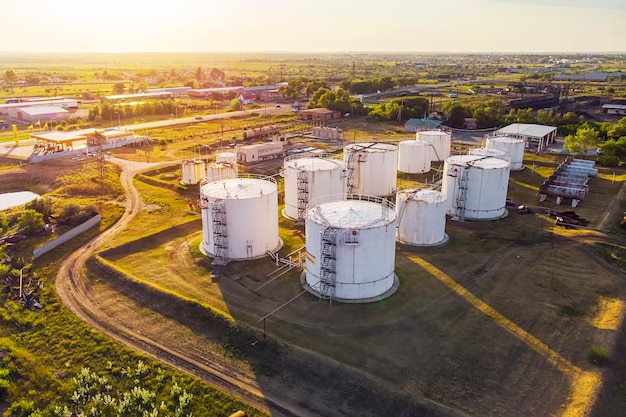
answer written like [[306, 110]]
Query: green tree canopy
[[30, 221], [585, 139]]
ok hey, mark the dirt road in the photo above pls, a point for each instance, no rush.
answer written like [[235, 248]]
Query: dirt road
[[70, 285]]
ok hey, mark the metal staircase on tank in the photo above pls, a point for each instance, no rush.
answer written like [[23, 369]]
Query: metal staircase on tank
[[461, 195], [327, 264], [350, 173], [303, 193], [220, 236]]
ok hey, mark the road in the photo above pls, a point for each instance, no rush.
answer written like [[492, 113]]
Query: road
[[71, 287]]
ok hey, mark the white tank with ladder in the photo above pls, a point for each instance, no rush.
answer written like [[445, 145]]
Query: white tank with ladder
[[421, 217], [441, 141], [350, 249], [372, 168], [476, 186], [239, 218], [310, 177]]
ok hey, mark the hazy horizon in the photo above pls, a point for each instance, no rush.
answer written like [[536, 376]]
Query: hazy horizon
[[350, 26]]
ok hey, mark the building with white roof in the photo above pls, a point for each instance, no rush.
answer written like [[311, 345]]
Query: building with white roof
[[536, 137], [38, 114]]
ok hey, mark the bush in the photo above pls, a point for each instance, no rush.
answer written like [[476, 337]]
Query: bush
[[598, 356], [607, 161]]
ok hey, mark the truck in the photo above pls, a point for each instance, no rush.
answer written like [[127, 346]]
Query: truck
[[4, 125]]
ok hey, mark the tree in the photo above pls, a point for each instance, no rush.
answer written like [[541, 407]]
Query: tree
[[41, 205], [119, 88], [314, 101], [10, 77], [386, 83], [30, 221], [217, 74], [199, 75], [585, 139], [618, 129]]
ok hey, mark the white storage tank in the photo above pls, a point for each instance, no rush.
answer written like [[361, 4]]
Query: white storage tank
[[194, 170], [309, 178], [221, 170], [372, 168], [239, 218], [513, 148], [226, 157], [441, 141], [476, 186], [414, 156], [488, 152], [350, 249], [421, 217]]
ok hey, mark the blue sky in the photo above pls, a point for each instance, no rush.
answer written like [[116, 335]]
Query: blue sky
[[314, 26]]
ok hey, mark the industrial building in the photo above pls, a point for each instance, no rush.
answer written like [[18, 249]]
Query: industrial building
[[39, 114], [319, 114], [259, 152], [536, 137]]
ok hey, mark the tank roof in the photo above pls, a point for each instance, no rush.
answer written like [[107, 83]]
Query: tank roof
[[415, 142], [371, 147], [352, 214], [433, 133], [426, 195], [238, 188], [315, 164], [479, 161]]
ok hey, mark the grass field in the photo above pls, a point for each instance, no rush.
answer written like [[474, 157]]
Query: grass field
[[500, 321]]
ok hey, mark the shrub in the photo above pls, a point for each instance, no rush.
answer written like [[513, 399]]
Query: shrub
[[607, 161], [598, 355]]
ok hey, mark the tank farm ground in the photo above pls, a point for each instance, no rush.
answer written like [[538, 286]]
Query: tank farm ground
[[498, 321]]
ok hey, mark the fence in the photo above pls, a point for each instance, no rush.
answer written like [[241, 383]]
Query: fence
[[48, 246]]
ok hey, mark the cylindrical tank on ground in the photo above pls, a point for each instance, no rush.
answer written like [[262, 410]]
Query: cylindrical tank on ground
[[308, 178], [488, 152], [372, 168], [239, 218], [476, 186], [226, 157], [513, 147], [441, 141], [221, 170], [193, 171], [350, 249], [414, 156], [421, 217]]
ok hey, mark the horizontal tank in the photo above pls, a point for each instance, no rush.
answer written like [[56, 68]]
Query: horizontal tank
[[421, 217], [194, 171], [513, 148], [239, 218], [221, 170], [476, 186], [309, 178], [372, 168], [350, 249], [441, 141], [414, 156]]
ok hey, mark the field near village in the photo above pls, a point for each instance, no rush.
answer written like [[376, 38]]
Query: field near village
[[505, 319], [512, 317]]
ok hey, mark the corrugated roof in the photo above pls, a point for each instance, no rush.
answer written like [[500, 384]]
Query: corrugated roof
[[530, 130], [37, 110]]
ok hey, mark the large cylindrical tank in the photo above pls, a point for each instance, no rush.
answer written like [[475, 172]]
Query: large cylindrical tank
[[350, 249], [239, 218], [476, 186], [193, 171], [226, 157], [414, 156], [513, 148], [441, 141], [309, 178], [372, 168], [421, 217], [221, 170]]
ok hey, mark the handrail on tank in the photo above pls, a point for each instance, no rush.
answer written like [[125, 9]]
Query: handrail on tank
[[326, 155], [345, 197], [243, 175]]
